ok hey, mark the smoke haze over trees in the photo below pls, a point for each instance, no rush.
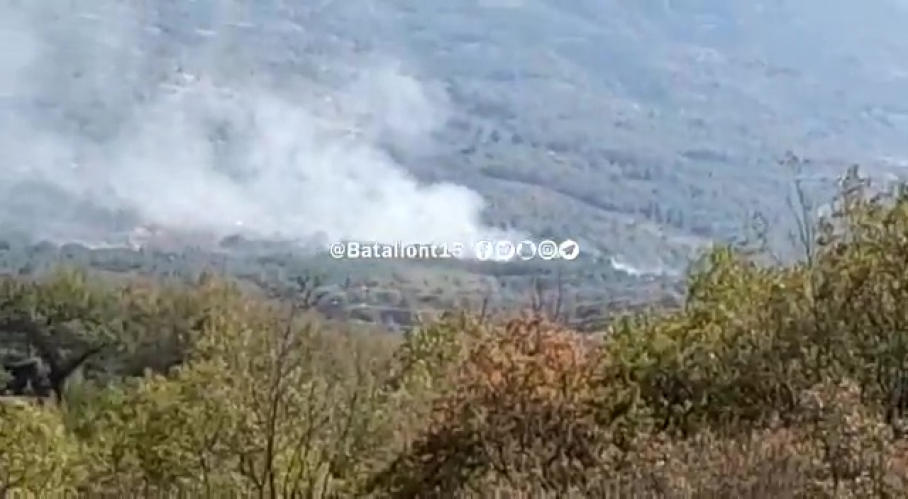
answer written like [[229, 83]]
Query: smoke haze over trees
[[220, 117]]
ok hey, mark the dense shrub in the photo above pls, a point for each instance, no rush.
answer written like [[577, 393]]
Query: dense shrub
[[519, 410], [771, 381]]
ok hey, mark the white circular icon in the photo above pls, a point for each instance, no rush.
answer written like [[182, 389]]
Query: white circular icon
[[526, 250], [484, 250], [547, 250], [504, 251], [569, 250]]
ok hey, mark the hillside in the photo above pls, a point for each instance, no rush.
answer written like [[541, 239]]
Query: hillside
[[647, 126], [643, 129]]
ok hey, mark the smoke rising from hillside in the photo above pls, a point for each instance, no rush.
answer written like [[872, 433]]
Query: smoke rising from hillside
[[212, 116]]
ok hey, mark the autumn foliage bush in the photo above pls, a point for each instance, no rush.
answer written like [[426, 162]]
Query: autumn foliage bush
[[771, 381], [520, 410]]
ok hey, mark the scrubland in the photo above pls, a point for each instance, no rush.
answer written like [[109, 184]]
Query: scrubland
[[772, 380]]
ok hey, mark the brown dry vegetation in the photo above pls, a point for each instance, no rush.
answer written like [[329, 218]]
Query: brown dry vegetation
[[772, 381]]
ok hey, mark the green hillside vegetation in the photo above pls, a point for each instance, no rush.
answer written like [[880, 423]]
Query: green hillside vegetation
[[393, 294], [770, 381]]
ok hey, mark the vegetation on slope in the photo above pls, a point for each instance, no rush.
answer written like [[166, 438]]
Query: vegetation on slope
[[770, 382], [393, 294]]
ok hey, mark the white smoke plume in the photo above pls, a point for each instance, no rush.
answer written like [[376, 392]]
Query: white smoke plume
[[216, 116]]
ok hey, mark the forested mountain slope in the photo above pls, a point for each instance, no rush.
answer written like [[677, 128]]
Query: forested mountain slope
[[642, 129]]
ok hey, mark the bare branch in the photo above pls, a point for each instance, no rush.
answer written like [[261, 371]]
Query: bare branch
[[559, 296], [801, 208], [537, 298], [484, 308]]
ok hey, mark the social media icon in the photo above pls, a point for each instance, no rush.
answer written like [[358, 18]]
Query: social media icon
[[484, 250], [504, 251], [547, 250], [569, 250], [526, 250]]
